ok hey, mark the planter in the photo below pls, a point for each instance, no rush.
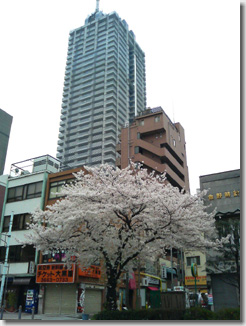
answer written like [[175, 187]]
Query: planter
[[85, 316]]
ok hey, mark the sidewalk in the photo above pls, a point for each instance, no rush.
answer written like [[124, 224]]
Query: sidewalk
[[25, 316]]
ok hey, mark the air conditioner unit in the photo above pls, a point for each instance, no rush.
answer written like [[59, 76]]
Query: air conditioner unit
[[145, 281]]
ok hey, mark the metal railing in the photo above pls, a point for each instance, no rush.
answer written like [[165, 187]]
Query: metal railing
[[19, 312]]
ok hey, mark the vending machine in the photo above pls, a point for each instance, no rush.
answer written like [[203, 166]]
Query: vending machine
[[31, 301]]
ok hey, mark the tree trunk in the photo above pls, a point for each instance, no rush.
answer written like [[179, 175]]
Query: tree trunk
[[111, 296]]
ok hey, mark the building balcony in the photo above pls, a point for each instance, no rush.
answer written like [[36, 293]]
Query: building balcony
[[118, 162], [118, 148]]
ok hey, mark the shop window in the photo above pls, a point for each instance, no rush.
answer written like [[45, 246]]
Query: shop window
[[191, 260], [55, 257]]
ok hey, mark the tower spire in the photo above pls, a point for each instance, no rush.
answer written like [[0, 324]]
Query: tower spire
[[97, 7]]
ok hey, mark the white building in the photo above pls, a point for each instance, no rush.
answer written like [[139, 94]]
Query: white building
[[25, 191]]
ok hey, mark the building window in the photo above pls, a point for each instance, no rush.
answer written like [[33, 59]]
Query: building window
[[55, 257], [141, 122], [34, 190], [56, 187], [174, 142], [18, 254], [157, 118], [136, 149], [19, 222], [28, 191], [192, 260], [138, 135], [15, 194]]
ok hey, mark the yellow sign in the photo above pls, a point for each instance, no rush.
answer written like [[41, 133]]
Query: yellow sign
[[227, 194], [200, 280]]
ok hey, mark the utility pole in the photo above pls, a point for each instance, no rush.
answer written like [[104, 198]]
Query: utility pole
[[182, 267], [139, 286], [5, 266], [172, 268], [127, 289]]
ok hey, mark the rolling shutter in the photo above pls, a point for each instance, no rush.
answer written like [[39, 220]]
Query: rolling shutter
[[60, 299], [93, 301]]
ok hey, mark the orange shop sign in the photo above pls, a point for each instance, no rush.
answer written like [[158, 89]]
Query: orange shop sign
[[55, 273], [200, 280], [93, 271]]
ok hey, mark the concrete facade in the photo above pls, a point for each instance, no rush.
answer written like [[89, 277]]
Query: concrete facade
[[104, 87], [223, 273], [223, 191], [157, 142]]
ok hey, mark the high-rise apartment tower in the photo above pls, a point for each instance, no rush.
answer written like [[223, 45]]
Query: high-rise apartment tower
[[104, 89], [5, 127]]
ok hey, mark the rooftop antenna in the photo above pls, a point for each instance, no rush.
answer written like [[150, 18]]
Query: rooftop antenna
[[97, 7], [173, 111]]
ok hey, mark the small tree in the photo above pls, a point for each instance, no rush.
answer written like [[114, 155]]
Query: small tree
[[115, 215]]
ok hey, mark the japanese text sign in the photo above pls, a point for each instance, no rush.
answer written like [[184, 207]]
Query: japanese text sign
[[55, 273]]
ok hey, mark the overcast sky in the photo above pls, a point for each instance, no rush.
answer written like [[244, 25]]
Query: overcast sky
[[192, 50]]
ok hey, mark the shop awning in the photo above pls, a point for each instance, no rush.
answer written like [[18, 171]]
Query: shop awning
[[10, 279], [170, 270], [21, 280], [152, 288]]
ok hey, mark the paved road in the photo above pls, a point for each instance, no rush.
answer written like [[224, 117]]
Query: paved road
[[14, 316]]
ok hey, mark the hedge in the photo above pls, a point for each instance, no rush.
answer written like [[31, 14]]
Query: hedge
[[198, 313], [149, 314], [195, 313], [228, 314]]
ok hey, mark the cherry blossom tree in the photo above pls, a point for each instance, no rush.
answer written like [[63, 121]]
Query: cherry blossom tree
[[114, 215]]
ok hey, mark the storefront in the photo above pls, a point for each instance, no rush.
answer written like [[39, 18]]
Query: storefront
[[90, 298], [201, 283], [59, 290], [60, 299], [62, 292], [15, 292]]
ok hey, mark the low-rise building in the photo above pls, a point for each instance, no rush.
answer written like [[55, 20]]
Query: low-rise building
[[223, 267], [25, 189], [63, 294], [198, 258]]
